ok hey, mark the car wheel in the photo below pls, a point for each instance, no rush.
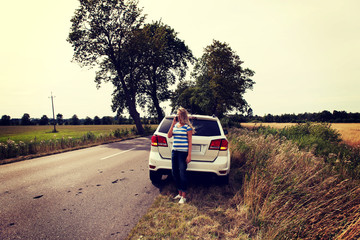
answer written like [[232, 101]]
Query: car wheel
[[155, 177], [224, 180]]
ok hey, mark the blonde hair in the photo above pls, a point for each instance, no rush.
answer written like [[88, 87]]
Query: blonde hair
[[184, 116]]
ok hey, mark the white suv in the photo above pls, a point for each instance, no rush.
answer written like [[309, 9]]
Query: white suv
[[210, 151]]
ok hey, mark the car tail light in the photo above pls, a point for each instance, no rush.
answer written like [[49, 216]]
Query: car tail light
[[219, 144], [224, 145], [158, 141]]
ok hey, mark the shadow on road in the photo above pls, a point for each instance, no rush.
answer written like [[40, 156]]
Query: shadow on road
[[195, 180], [142, 143]]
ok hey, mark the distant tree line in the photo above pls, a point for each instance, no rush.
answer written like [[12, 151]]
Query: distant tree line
[[6, 120], [324, 116]]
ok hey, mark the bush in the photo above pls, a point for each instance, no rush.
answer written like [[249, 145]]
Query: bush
[[324, 142], [32, 147], [3, 151], [89, 137], [125, 132], [12, 149], [307, 135], [23, 148], [133, 130], [117, 133], [148, 129]]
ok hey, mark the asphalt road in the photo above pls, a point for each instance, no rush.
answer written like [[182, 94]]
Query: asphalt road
[[94, 193]]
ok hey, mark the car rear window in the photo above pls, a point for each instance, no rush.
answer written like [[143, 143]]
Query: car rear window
[[202, 127]]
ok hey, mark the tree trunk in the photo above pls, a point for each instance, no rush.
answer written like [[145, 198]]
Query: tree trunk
[[131, 104], [158, 108], [153, 84], [135, 116]]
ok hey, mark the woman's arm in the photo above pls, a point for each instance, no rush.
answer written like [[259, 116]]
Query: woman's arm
[[189, 134]]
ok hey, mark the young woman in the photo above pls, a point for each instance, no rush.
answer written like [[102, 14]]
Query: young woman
[[182, 130]]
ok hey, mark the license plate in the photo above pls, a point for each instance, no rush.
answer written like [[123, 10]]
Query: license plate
[[196, 148]]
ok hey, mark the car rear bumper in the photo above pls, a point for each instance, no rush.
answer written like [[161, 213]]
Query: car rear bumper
[[220, 167]]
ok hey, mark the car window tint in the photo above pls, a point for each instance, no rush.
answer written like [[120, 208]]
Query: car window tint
[[165, 126], [206, 128], [202, 127]]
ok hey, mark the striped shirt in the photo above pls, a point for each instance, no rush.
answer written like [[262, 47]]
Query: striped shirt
[[180, 138]]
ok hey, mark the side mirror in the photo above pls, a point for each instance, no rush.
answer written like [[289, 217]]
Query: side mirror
[[226, 132]]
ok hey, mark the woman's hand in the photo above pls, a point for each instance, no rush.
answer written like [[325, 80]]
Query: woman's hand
[[189, 135], [170, 132], [188, 159], [174, 120]]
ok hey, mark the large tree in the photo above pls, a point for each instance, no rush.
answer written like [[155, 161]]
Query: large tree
[[164, 58], [75, 120], [101, 35], [25, 120], [44, 120], [220, 83], [5, 120], [59, 119], [190, 96]]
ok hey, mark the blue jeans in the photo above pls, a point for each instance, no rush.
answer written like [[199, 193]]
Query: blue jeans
[[179, 165]]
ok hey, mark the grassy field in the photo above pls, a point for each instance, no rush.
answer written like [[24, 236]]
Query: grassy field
[[19, 142], [28, 133], [350, 132], [276, 191]]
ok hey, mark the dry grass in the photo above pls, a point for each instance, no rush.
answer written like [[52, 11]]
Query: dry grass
[[274, 125], [292, 194], [275, 192], [350, 132], [207, 214]]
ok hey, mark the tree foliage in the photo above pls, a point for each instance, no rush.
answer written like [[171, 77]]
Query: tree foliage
[[59, 119], [44, 120], [141, 61], [220, 83], [75, 120], [25, 120], [97, 120], [165, 57], [88, 121], [5, 120], [101, 35]]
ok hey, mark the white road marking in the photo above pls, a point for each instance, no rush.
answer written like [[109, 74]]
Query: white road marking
[[117, 154]]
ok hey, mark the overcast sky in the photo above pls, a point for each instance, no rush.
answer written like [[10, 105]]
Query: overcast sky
[[305, 54]]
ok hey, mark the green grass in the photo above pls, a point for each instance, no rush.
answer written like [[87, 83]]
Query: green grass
[[22, 141], [44, 133]]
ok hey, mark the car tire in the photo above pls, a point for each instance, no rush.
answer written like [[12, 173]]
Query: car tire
[[155, 176], [224, 180]]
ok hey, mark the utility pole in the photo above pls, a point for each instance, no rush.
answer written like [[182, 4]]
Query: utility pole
[[52, 103]]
